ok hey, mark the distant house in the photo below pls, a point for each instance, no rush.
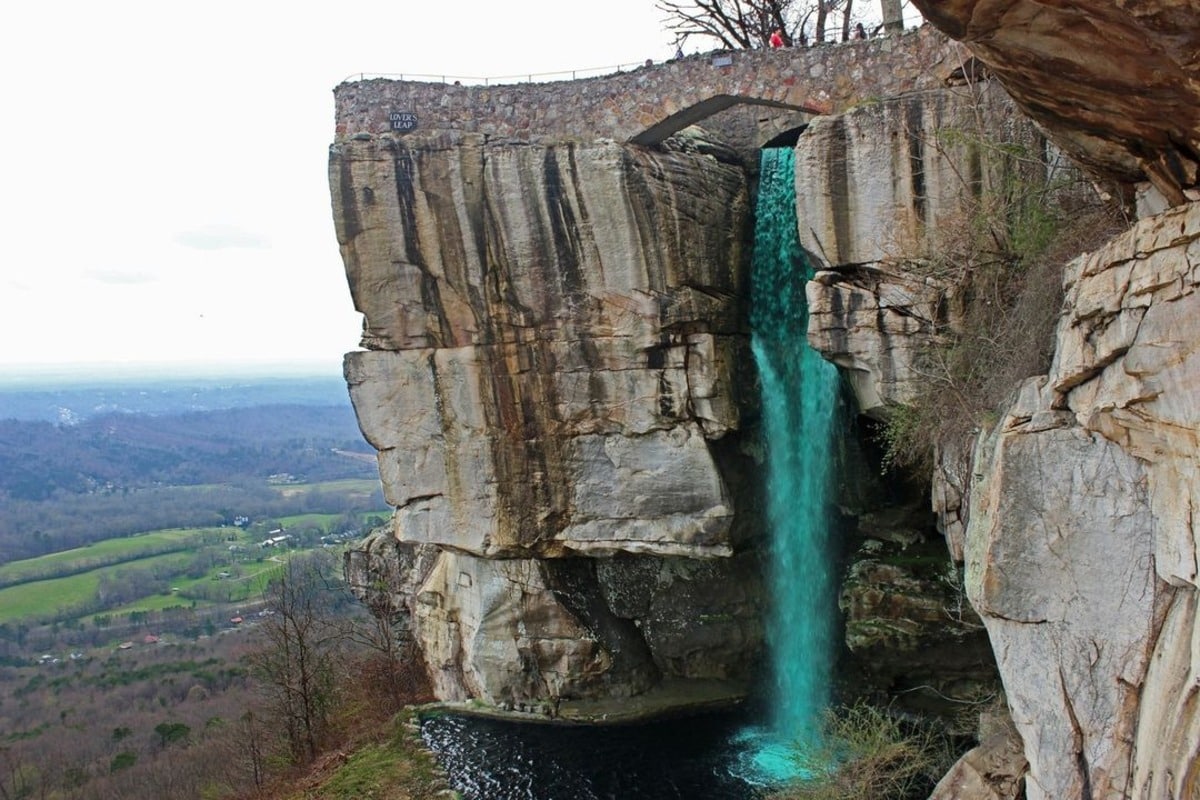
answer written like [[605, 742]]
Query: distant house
[[125, 646], [236, 620], [275, 541], [150, 638]]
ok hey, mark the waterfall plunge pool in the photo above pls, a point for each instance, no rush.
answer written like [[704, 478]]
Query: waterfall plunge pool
[[701, 757]]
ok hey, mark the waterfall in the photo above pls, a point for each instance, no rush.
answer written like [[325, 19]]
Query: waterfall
[[798, 397]]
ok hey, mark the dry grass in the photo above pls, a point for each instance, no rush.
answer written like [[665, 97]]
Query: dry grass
[[876, 755], [371, 749], [1004, 254]]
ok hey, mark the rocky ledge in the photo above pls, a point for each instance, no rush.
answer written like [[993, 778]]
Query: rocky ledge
[[553, 380]]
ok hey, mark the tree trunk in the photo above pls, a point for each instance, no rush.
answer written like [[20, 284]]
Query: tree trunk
[[893, 15], [822, 14]]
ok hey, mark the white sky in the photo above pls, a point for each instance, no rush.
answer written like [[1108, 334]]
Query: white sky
[[165, 195]]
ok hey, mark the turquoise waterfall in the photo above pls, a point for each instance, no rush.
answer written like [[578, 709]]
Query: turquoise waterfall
[[799, 393]]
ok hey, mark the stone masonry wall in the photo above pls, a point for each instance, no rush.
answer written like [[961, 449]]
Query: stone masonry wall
[[825, 79]]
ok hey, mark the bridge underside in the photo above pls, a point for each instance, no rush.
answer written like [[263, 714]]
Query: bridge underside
[[706, 108]]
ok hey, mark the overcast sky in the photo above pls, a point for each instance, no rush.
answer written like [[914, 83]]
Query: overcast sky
[[165, 196]]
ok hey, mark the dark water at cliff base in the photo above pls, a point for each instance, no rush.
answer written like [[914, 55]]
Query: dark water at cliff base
[[697, 758]]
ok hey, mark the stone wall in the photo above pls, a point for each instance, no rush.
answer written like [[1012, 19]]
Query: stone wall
[[822, 79]]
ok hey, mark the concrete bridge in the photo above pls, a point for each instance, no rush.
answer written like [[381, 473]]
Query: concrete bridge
[[646, 105]]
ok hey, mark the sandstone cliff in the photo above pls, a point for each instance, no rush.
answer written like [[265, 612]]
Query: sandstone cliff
[[555, 387], [1117, 85], [557, 383], [1080, 538], [1081, 542], [1077, 530]]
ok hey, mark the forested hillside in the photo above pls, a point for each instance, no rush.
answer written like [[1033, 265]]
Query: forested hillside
[[64, 486], [121, 452], [73, 399]]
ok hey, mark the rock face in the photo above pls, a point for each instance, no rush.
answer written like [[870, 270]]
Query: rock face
[[878, 188], [1076, 521], [994, 770], [1082, 543], [557, 380], [1077, 526], [1117, 85], [1079, 523], [553, 380]]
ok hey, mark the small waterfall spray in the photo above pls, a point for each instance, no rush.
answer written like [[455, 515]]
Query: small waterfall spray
[[798, 397]]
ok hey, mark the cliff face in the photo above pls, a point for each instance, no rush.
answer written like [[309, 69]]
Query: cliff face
[[554, 386], [558, 385], [877, 188], [1117, 85], [1077, 522], [1077, 518], [1081, 542]]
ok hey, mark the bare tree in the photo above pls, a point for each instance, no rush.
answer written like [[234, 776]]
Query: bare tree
[[18, 779], [393, 663], [736, 24], [296, 667], [746, 24]]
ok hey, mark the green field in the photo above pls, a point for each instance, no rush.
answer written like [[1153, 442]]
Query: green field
[[106, 553], [308, 520], [352, 487], [45, 599], [326, 521], [247, 588], [55, 598], [59, 586]]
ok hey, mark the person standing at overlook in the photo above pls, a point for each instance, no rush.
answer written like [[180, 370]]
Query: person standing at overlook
[[776, 39]]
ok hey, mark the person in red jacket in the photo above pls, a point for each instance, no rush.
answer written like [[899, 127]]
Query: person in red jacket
[[776, 38]]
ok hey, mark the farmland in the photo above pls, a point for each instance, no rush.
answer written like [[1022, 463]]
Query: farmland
[[158, 570], [137, 555]]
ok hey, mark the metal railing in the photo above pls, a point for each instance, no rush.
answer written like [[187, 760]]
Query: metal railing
[[562, 75], [531, 77]]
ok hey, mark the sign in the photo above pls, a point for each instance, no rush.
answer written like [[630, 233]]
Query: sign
[[403, 120], [722, 60]]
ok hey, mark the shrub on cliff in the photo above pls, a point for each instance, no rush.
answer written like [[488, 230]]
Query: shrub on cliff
[[1024, 217], [875, 754]]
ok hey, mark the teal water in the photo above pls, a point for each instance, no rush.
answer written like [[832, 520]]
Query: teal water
[[798, 399]]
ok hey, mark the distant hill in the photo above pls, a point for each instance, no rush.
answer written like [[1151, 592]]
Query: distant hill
[[115, 452], [73, 402], [82, 462]]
